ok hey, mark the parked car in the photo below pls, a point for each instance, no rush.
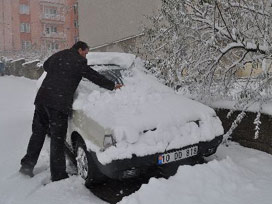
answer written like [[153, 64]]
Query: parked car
[[143, 128]]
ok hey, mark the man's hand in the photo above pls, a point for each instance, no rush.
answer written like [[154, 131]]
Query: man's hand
[[118, 86]]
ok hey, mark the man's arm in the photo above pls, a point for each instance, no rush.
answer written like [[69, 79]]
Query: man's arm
[[46, 64], [97, 78]]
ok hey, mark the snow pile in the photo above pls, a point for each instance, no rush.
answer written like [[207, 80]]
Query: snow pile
[[145, 104], [235, 179], [122, 59], [16, 112], [238, 175]]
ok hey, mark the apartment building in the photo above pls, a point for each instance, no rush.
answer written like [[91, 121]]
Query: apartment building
[[37, 24]]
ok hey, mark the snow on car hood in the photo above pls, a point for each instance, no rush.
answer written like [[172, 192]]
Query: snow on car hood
[[144, 104]]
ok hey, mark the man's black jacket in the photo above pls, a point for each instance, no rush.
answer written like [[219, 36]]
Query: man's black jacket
[[64, 70]]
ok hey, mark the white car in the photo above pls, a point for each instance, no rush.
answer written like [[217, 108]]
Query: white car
[[143, 127]]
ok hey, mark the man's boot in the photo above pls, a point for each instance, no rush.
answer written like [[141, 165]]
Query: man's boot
[[26, 171], [59, 177]]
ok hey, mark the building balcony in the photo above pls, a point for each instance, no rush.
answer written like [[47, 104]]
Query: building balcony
[[53, 35], [51, 17], [53, 1]]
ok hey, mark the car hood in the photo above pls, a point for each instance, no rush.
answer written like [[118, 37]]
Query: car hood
[[146, 116]]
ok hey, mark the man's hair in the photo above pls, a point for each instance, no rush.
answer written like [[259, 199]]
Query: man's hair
[[81, 45]]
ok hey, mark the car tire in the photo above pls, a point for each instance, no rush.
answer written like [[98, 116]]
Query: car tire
[[200, 160], [86, 166]]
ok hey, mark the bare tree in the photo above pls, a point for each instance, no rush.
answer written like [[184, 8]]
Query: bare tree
[[202, 44]]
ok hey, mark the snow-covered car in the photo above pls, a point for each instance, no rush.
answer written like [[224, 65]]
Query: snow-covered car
[[143, 127]]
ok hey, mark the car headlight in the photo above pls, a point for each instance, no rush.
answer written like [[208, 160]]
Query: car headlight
[[108, 141]]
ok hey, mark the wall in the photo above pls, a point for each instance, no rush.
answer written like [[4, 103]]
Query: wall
[[31, 70], [6, 22], [244, 133], [106, 21]]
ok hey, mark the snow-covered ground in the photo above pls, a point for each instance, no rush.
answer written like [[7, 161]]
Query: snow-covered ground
[[234, 175]]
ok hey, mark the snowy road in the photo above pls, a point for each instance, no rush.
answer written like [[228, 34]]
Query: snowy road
[[236, 175]]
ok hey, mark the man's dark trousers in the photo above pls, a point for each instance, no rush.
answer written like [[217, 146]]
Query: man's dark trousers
[[55, 122]]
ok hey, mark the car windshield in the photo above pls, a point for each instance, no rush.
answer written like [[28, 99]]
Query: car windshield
[[112, 72]]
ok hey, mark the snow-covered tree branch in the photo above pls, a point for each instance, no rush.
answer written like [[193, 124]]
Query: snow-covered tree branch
[[203, 45]]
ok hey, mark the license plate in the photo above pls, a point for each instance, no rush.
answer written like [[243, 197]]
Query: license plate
[[177, 155]]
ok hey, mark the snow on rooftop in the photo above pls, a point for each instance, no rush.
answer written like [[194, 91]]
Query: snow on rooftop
[[17, 60], [124, 60], [31, 62]]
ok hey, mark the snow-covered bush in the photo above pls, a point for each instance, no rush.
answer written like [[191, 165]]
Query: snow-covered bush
[[201, 45]]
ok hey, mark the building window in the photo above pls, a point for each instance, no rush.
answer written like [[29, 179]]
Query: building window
[[76, 23], [26, 44], [75, 8], [51, 12], [25, 28], [24, 9], [51, 29], [53, 46]]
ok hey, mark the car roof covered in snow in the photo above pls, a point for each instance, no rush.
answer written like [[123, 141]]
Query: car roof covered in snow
[[124, 60]]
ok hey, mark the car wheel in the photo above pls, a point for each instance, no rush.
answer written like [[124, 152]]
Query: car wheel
[[82, 161], [200, 160], [86, 166]]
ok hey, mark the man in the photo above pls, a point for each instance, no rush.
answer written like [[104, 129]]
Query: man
[[53, 104]]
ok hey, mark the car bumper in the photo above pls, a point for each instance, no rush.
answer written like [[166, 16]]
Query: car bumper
[[136, 166]]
